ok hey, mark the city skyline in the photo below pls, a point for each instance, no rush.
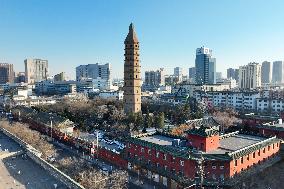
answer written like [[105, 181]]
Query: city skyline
[[237, 35]]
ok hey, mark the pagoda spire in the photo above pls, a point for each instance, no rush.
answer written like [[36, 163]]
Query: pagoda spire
[[131, 36]]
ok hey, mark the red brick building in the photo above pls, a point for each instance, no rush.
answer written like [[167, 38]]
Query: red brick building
[[272, 129], [255, 119], [203, 156]]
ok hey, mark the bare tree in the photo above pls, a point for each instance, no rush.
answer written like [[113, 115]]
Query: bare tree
[[34, 138]]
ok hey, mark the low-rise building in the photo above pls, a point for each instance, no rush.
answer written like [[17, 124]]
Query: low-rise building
[[32, 101], [55, 88], [272, 129], [270, 104], [239, 100], [176, 162], [188, 88], [117, 95]]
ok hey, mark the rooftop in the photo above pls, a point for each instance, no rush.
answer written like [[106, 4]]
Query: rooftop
[[279, 127], [236, 142], [158, 139]]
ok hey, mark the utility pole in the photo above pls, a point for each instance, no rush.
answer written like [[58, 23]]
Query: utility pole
[[51, 128], [97, 144]]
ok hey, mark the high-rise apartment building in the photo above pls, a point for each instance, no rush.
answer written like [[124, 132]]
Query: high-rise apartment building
[[178, 72], [278, 72], [237, 75], [36, 70], [250, 76], [191, 74], [155, 79], [93, 71], [60, 77], [219, 75], [132, 73], [230, 73], [20, 77], [266, 72], [6, 73], [205, 66]]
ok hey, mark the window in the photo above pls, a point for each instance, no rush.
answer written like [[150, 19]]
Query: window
[[181, 163], [166, 167], [222, 167], [268, 148], [165, 156], [258, 153], [264, 150], [149, 152], [213, 165], [248, 157], [253, 155], [236, 162], [213, 177], [242, 160], [273, 146], [142, 150], [157, 154]]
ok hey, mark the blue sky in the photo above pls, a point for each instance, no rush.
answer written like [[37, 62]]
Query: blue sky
[[73, 32]]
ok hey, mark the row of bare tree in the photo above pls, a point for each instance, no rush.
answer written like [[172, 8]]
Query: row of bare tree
[[90, 177], [33, 138], [76, 168]]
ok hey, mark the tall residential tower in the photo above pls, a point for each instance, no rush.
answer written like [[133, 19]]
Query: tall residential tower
[[250, 76], [205, 66], [266, 72], [36, 70], [6, 73], [132, 73], [278, 72]]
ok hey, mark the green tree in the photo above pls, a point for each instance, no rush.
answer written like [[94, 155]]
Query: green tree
[[131, 118], [160, 120], [185, 113], [148, 120], [139, 119]]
